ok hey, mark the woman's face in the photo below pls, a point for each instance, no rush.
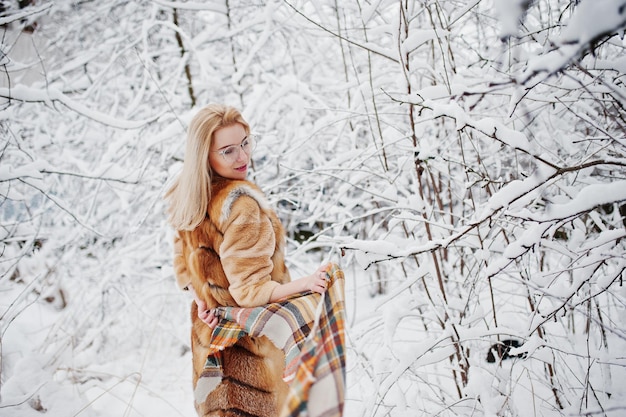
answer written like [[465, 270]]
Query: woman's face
[[227, 156]]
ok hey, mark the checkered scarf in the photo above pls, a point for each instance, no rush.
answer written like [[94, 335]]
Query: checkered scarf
[[309, 329]]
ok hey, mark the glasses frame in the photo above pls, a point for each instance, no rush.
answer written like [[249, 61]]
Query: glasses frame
[[239, 148]]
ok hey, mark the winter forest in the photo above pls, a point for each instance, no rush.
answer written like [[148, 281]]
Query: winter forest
[[463, 161]]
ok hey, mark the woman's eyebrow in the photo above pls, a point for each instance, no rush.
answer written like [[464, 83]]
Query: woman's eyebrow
[[234, 144]]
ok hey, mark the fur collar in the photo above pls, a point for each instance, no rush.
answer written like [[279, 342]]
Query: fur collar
[[227, 191]]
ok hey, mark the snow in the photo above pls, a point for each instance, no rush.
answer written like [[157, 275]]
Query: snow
[[32, 170], [591, 20], [419, 37], [440, 91], [586, 199], [213, 6], [49, 95], [21, 14], [489, 127], [504, 220], [510, 14]]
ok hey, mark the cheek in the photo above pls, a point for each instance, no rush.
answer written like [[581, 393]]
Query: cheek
[[215, 162]]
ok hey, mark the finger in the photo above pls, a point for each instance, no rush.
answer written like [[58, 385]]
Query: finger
[[206, 314], [201, 304]]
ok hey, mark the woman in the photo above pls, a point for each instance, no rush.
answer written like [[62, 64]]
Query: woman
[[229, 251]]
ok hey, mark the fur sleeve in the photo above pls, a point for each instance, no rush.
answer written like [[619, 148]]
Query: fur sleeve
[[183, 280], [246, 252]]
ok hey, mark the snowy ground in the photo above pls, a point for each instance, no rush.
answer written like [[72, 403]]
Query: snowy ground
[[151, 380]]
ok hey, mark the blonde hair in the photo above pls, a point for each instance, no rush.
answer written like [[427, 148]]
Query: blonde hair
[[190, 194]]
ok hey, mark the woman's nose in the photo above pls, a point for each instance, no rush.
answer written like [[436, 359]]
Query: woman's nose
[[241, 155]]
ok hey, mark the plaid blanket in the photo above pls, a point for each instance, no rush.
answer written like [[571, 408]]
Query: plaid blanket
[[309, 329]]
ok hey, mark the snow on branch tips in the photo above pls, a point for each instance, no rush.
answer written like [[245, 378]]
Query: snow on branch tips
[[591, 21], [586, 200], [487, 126], [510, 13], [30, 12], [213, 6], [51, 95]]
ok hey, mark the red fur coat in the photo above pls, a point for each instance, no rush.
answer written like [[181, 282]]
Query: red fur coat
[[235, 257]]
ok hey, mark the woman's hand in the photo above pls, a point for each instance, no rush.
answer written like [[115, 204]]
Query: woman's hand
[[204, 314], [318, 281], [207, 316]]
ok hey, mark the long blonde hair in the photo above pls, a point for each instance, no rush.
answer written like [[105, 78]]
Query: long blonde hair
[[190, 194]]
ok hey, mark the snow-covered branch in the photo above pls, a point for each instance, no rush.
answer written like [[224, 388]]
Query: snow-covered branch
[[51, 95]]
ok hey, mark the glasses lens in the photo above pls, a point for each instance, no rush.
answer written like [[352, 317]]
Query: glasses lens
[[249, 144], [231, 153]]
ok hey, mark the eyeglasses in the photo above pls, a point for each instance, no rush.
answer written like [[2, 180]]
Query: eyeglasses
[[231, 153]]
